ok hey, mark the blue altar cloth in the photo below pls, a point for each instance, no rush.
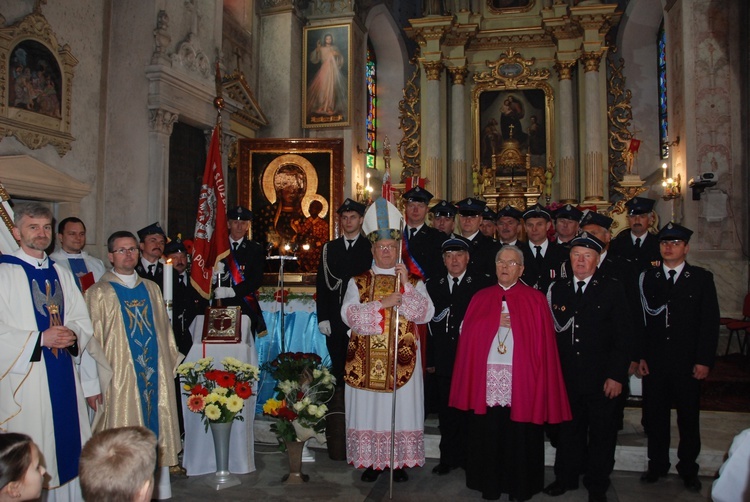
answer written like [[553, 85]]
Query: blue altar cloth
[[301, 335]]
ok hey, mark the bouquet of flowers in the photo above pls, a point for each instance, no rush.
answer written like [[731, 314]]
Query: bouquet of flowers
[[304, 386], [217, 395]]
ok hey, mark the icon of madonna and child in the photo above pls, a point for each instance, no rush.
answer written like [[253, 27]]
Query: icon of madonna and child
[[294, 219]]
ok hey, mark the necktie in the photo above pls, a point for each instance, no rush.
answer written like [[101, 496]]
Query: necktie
[[349, 244], [412, 231], [638, 243], [181, 280], [671, 273], [538, 256], [455, 285], [579, 291], [151, 270], [235, 245]]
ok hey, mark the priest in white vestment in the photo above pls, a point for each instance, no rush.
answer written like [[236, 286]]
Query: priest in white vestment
[[382, 307], [44, 329]]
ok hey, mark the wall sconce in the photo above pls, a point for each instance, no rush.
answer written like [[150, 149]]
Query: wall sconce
[[671, 185]]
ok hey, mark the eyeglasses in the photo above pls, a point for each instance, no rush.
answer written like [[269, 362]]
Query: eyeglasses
[[123, 251], [504, 263], [390, 247], [671, 243]]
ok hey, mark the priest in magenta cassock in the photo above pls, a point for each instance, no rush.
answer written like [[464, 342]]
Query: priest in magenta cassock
[[369, 309], [44, 329], [131, 323], [507, 373]]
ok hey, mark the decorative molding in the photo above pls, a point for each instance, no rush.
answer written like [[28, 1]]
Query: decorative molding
[[433, 69], [236, 87], [410, 122], [329, 8], [423, 34], [511, 40], [619, 117], [512, 71], [591, 61], [161, 120], [37, 128], [565, 69], [458, 74], [275, 6], [190, 56]]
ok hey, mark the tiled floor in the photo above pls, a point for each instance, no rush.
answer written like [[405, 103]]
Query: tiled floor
[[337, 481]]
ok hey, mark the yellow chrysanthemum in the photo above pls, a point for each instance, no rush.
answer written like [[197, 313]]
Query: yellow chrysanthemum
[[212, 398], [221, 391], [212, 412], [235, 403], [271, 406]]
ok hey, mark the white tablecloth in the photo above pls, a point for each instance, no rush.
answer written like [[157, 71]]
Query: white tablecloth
[[199, 445]]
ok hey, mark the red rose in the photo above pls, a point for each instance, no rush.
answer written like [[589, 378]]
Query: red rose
[[243, 390], [287, 414]]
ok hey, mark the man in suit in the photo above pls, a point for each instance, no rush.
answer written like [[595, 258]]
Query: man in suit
[[483, 248], [543, 258], [508, 225], [152, 241], [71, 232], [341, 259], [567, 219], [451, 294], [444, 217], [682, 329], [594, 330], [638, 245], [186, 303], [243, 269], [422, 241]]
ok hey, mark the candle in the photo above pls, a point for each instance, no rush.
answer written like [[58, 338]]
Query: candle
[[167, 286]]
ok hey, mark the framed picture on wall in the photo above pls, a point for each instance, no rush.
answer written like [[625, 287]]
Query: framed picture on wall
[[292, 186], [326, 76]]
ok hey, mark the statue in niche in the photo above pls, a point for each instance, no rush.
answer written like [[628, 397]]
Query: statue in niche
[[161, 36]]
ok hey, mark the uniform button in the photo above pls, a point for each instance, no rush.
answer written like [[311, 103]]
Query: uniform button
[[577, 340], [577, 326]]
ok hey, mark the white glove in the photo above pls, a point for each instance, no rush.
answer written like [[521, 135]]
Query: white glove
[[325, 327], [219, 269], [223, 292]]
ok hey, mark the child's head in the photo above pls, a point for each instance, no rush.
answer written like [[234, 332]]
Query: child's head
[[118, 465], [21, 474]]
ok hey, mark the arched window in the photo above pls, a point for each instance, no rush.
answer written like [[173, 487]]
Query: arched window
[[661, 44], [370, 79]]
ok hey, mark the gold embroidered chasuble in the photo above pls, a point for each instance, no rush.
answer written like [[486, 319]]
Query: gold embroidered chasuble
[[369, 358], [122, 403]]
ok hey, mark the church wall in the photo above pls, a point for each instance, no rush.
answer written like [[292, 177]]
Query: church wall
[[82, 161]]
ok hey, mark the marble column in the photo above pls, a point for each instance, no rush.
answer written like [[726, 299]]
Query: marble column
[[593, 156], [567, 172], [161, 122], [432, 163], [458, 169]]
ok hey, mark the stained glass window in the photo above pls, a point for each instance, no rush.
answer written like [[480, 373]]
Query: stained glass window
[[372, 102], [661, 44]]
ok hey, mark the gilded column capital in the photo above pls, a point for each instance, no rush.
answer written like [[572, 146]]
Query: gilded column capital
[[458, 74], [433, 69], [565, 69], [591, 61], [161, 120]]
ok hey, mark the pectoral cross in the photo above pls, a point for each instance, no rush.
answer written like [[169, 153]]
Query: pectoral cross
[[54, 312]]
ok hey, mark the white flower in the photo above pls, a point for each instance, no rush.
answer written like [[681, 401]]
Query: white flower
[[320, 413], [312, 409], [298, 406]]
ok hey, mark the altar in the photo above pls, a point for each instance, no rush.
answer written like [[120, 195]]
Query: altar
[[198, 455], [301, 333]]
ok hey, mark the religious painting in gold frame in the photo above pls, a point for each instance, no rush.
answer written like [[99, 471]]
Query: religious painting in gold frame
[[326, 76], [513, 119], [293, 187], [36, 82]]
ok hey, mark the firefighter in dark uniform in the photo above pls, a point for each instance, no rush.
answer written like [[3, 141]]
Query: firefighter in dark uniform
[[483, 248], [508, 224], [638, 245], [152, 241], [594, 333], [342, 259], [682, 330], [243, 270], [444, 217], [451, 294], [542, 258], [422, 241]]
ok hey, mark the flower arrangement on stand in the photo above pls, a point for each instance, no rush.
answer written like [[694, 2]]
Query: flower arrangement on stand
[[217, 395], [304, 386]]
